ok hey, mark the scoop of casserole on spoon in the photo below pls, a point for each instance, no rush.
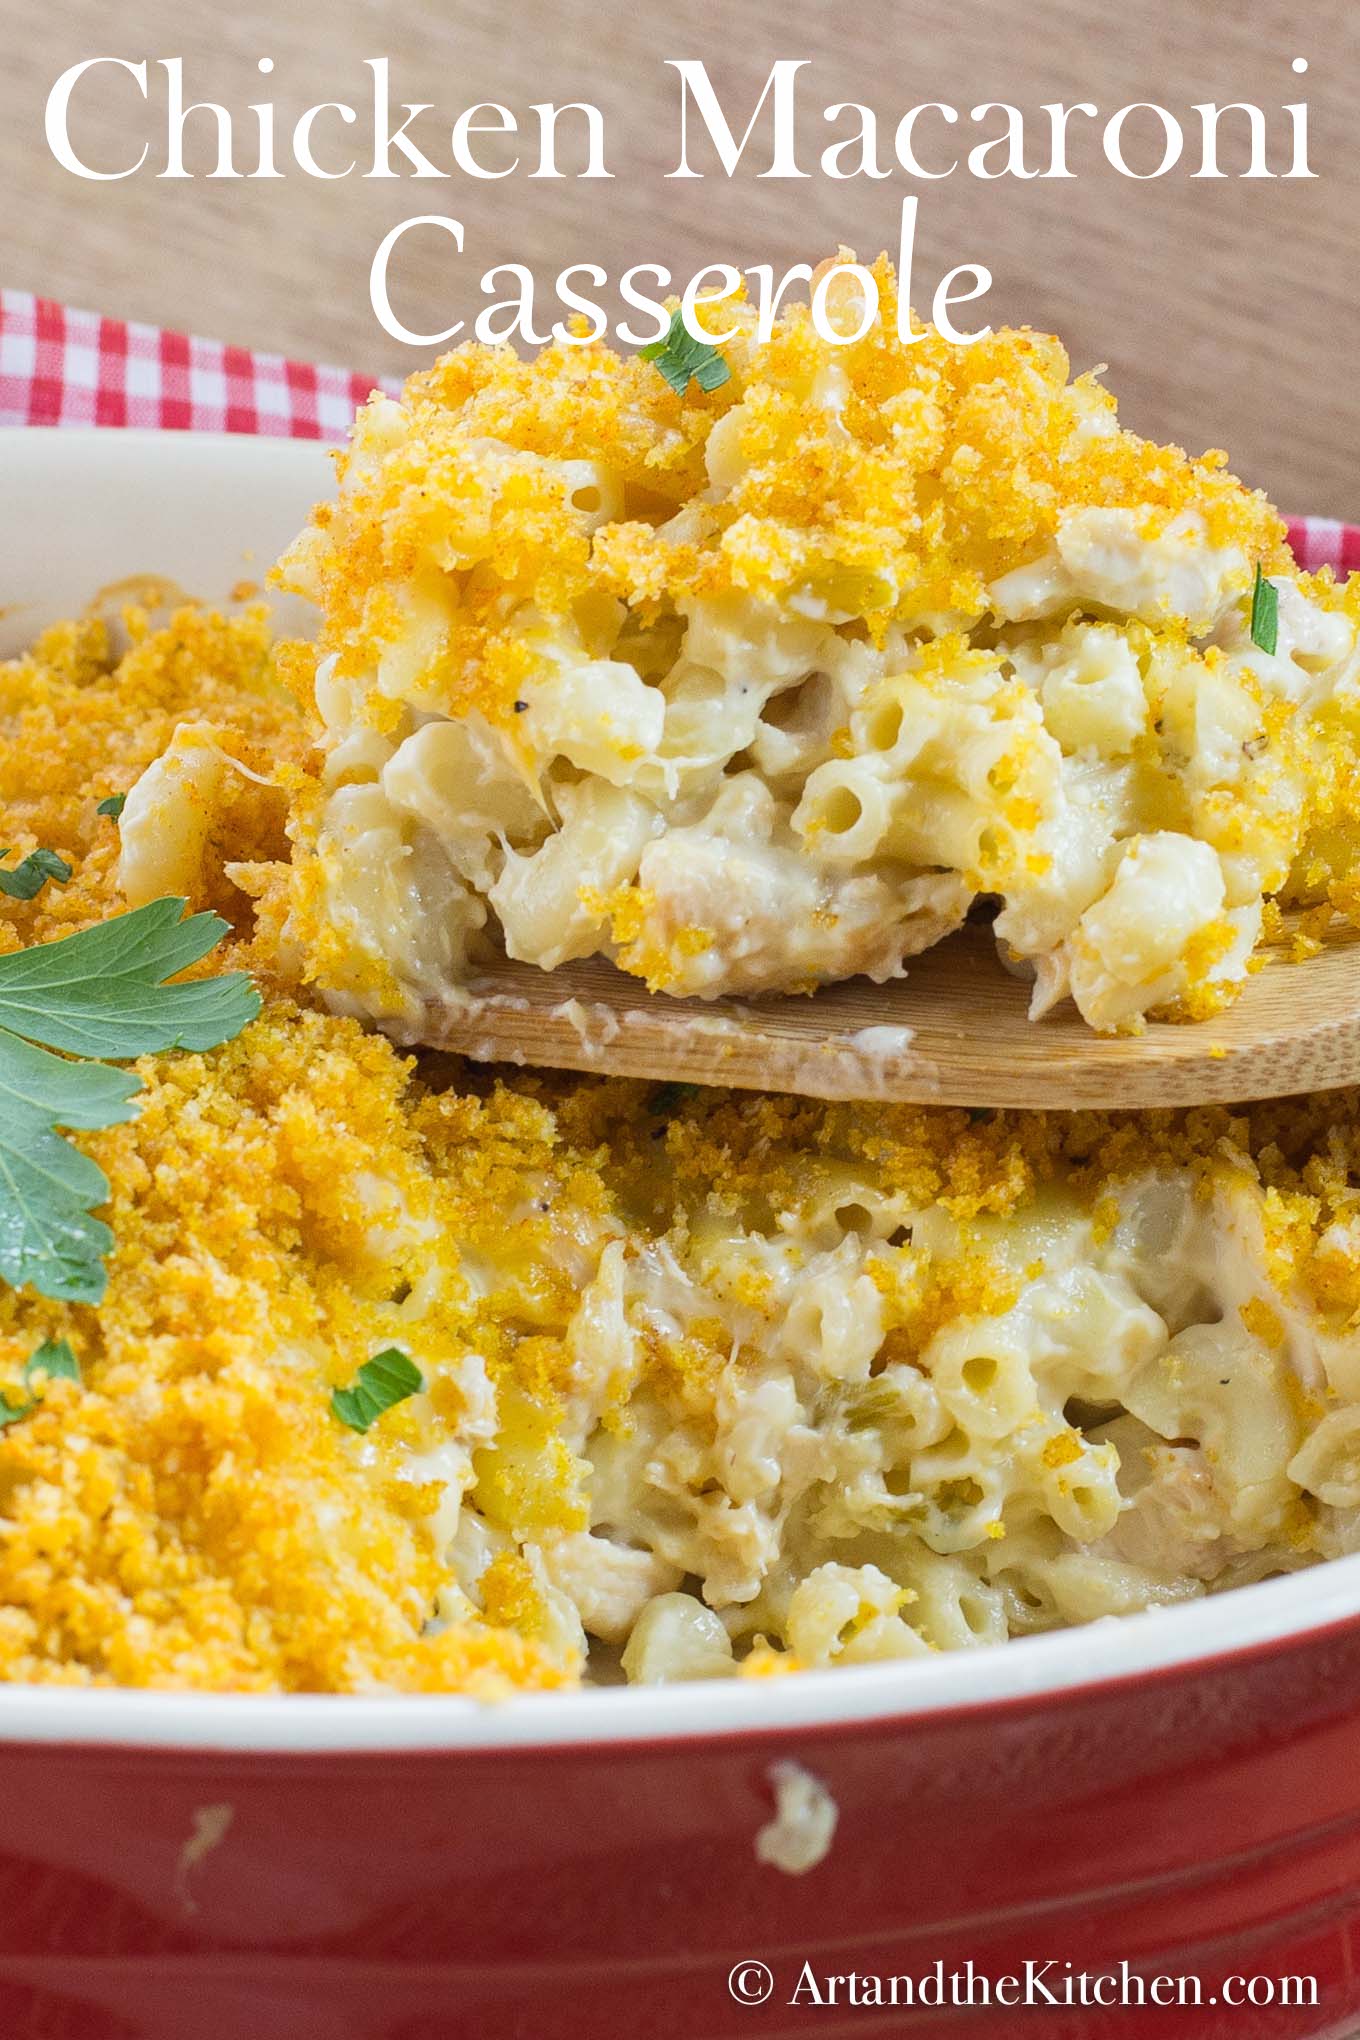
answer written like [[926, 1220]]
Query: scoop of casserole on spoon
[[874, 717]]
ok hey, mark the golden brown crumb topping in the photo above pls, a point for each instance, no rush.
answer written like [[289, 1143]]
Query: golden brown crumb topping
[[928, 471]]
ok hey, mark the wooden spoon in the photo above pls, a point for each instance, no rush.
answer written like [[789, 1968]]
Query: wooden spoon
[[955, 1031]]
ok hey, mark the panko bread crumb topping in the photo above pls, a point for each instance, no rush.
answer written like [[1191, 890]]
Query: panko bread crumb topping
[[709, 1384], [752, 687]]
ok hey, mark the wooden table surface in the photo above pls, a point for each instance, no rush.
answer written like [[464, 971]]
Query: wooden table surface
[[1226, 310]]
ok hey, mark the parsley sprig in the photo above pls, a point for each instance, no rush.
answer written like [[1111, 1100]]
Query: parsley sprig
[[26, 880], [99, 997], [680, 356], [1265, 614], [381, 1383], [53, 1361]]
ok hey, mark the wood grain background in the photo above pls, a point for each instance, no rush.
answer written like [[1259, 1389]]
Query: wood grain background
[[1227, 311]]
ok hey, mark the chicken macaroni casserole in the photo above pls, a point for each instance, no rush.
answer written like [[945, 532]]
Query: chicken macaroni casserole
[[383, 1371], [763, 687]]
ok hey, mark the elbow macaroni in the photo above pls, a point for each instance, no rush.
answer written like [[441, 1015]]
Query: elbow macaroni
[[870, 1413], [761, 690], [713, 1385]]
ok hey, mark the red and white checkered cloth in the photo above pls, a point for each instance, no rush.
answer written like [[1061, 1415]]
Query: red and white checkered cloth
[[63, 367], [1322, 542]]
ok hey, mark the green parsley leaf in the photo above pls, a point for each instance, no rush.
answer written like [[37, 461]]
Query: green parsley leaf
[[1265, 614], [382, 1382], [92, 995], [100, 993], [53, 1361], [27, 880], [113, 806], [48, 1189], [680, 356]]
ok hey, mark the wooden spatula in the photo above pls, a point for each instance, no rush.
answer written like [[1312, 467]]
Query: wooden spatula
[[955, 1031]]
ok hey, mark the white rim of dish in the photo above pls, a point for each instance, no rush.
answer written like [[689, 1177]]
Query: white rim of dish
[[1271, 1615]]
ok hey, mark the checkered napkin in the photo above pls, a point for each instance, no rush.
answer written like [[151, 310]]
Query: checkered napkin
[[62, 367]]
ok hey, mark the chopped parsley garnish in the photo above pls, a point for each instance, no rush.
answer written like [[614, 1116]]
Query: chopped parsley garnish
[[680, 356], [95, 996], [382, 1382], [1265, 614], [113, 806], [53, 1361], [25, 881]]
